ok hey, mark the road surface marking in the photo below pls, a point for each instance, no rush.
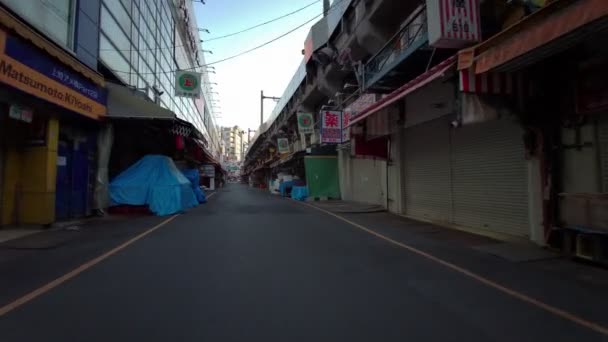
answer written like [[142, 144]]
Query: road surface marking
[[513, 293], [53, 284], [64, 278]]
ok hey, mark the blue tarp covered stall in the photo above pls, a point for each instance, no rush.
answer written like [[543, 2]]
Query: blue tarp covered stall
[[154, 181], [194, 176]]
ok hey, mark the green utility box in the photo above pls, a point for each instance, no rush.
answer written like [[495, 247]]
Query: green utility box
[[322, 176]]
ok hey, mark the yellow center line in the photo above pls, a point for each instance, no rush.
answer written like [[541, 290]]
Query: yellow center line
[[513, 293], [78, 270]]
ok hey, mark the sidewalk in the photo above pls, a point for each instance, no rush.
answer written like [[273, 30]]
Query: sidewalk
[[569, 285]]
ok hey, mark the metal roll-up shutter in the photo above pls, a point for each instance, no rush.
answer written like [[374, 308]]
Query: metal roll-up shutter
[[489, 177], [426, 167], [603, 142], [369, 181], [394, 173]]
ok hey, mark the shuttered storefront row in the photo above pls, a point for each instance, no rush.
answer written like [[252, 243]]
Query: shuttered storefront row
[[472, 176], [489, 177], [426, 167]]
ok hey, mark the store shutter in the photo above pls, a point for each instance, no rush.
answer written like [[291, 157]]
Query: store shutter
[[426, 166], [603, 141], [369, 180], [490, 177], [394, 173]]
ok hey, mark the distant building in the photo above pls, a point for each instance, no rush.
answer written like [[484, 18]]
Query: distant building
[[233, 143]]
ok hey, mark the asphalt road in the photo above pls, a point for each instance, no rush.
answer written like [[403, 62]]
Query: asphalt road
[[248, 266]]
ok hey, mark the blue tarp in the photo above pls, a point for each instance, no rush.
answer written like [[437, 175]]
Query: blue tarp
[[194, 176], [285, 186], [156, 182], [299, 193]]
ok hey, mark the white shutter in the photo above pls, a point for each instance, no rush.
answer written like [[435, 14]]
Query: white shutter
[[369, 181], [490, 177], [427, 189]]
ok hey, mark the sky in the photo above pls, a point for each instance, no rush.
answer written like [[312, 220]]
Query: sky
[[269, 68]]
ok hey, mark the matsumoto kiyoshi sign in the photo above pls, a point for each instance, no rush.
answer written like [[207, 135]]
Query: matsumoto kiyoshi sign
[[188, 84], [25, 67], [306, 123]]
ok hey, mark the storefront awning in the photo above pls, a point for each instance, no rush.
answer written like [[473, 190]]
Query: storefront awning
[[125, 103], [432, 74], [556, 27]]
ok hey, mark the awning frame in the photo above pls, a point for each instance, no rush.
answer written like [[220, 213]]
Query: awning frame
[[432, 74], [535, 31]]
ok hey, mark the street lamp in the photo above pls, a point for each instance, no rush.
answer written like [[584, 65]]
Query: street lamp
[[203, 30], [207, 51]]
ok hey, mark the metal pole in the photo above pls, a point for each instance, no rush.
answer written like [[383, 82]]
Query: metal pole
[[261, 108]]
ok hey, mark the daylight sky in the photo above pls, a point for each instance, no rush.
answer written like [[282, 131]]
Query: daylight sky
[[269, 68]]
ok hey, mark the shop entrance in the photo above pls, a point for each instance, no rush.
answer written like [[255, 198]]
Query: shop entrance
[[73, 170]]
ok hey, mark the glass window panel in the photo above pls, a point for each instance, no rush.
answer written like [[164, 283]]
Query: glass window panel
[[114, 59], [114, 32], [54, 17], [136, 16], [122, 17]]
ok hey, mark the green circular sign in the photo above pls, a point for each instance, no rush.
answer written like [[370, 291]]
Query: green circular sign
[[305, 120], [188, 82]]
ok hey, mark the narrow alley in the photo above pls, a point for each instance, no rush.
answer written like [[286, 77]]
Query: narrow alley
[[250, 266]]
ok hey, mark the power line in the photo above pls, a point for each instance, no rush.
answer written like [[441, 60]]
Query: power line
[[333, 6], [221, 37], [262, 24]]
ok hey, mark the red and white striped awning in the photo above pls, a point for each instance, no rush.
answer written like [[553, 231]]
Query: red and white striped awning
[[432, 74], [488, 83]]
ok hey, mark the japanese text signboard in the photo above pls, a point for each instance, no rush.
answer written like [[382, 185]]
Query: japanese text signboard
[[331, 127], [27, 68], [453, 23], [188, 84], [283, 144], [306, 123], [345, 129]]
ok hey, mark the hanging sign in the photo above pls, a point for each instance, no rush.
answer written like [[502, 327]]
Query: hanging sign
[[331, 127], [345, 129], [453, 23], [283, 145], [306, 123], [188, 84], [208, 170]]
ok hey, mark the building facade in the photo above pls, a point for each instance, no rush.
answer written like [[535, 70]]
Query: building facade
[[52, 101], [234, 143], [143, 43], [74, 75], [489, 118]]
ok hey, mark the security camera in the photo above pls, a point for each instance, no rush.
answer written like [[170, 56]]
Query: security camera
[[455, 123]]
